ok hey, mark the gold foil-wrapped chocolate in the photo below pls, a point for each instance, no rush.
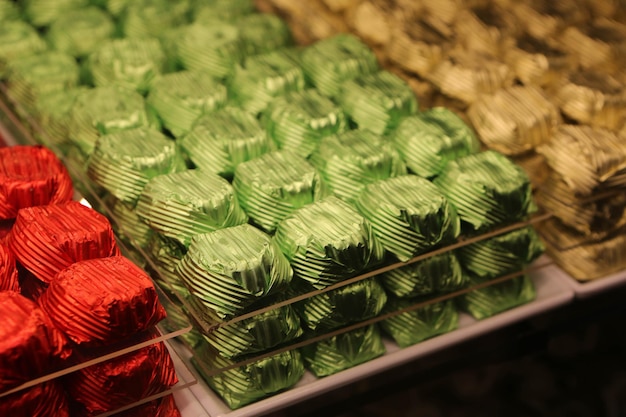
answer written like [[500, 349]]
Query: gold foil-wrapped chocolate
[[486, 29], [416, 47], [595, 44]]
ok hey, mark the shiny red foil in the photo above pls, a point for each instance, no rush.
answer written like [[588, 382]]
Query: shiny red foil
[[163, 407], [30, 345], [31, 176], [122, 381], [8, 270], [101, 301], [43, 400], [30, 286], [48, 239]]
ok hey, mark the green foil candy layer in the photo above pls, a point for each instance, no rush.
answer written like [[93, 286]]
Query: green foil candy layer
[[496, 298], [165, 253], [53, 112], [349, 161], [343, 351], [261, 33], [43, 12], [8, 11], [228, 10], [409, 215], [147, 18], [272, 186], [130, 227], [79, 32], [17, 40]]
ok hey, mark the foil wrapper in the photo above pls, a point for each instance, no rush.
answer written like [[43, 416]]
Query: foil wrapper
[[487, 190], [43, 400], [536, 22], [299, 120], [416, 47], [328, 241], [262, 33], [228, 10], [502, 254], [261, 78], [409, 215], [486, 29], [377, 102], [114, 7], [245, 384], [79, 32], [272, 186], [415, 326], [596, 44], [53, 111], [344, 351], [42, 13], [48, 239], [229, 269], [124, 380], [93, 311], [180, 98], [220, 141], [124, 162], [429, 140], [331, 62], [349, 161], [146, 18], [17, 39], [131, 63], [184, 204], [129, 226], [8, 270], [9, 11], [166, 253], [496, 298], [435, 274], [31, 176], [163, 407]]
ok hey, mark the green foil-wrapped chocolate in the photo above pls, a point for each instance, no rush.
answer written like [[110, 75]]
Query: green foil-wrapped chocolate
[[228, 10], [262, 33], [414, 326], [378, 101], [53, 112], [145, 18], [229, 269], [165, 254], [8, 11], [180, 98], [429, 140], [343, 351], [184, 204], [129, 226], [502, 254], [331, 62], [17, 39], [487, 190], [79, 32], [497, 298], [43, 12], [299, 120], [220, 141], [328, 241], [272, 186], [124, 162], [435, 274], [350, 160], [114, 7], [248, 383], [409, 215], [130, 63]]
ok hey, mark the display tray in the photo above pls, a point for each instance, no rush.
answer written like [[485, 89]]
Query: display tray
[[585, 289], [553, 290]]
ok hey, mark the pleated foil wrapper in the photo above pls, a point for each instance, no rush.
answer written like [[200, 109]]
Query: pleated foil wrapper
[[349, 161], [163, 407], [184, 204], [122, 381], [331, 62], [245, 384], [535, 21], [92, 311], [180, 98], [328, 241], [18, 39], [31, 176], [132, 63], [487, 190], [30, 346], [9, 11], [129, 226], [48, 239], [114, 7], [377, 102], [124, 162], [8, 270], [42, 13], [486, 28], [228, 10], [220, 141], [596, 43], [229, 269], [146, 18], [496, 298], [343, 351], [409, 215], [352, 303], [261, 78], [105, 110], [415, 326], [431, 139], [273, 185], [43, 400], [261, 33], [587, 159], [502, 254], [299, 120], [166, 253], [53, 111], [79, 32], [436, 274]]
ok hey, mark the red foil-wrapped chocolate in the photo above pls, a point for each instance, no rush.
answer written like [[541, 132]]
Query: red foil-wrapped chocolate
[[43, 400], [122, 381], [30, 286], [8, 270], [29, 343], [31, 176], [48, 239], [163, 407], [101, 301]]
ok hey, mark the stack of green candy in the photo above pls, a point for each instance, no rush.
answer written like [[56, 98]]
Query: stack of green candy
[[52, 110], [17, 39], [41, 13], [148, 18], [227, 10], [9, 11], [79, 32]]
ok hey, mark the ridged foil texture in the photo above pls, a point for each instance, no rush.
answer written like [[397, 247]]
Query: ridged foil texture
[[42, 13], [8, 270], [496, 298], [129, 227], [146, 18], [9, 11], [79, 32], [18, 39], [261, 33], [228, 10], [43, 400], [52, 110], [166, 253]]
